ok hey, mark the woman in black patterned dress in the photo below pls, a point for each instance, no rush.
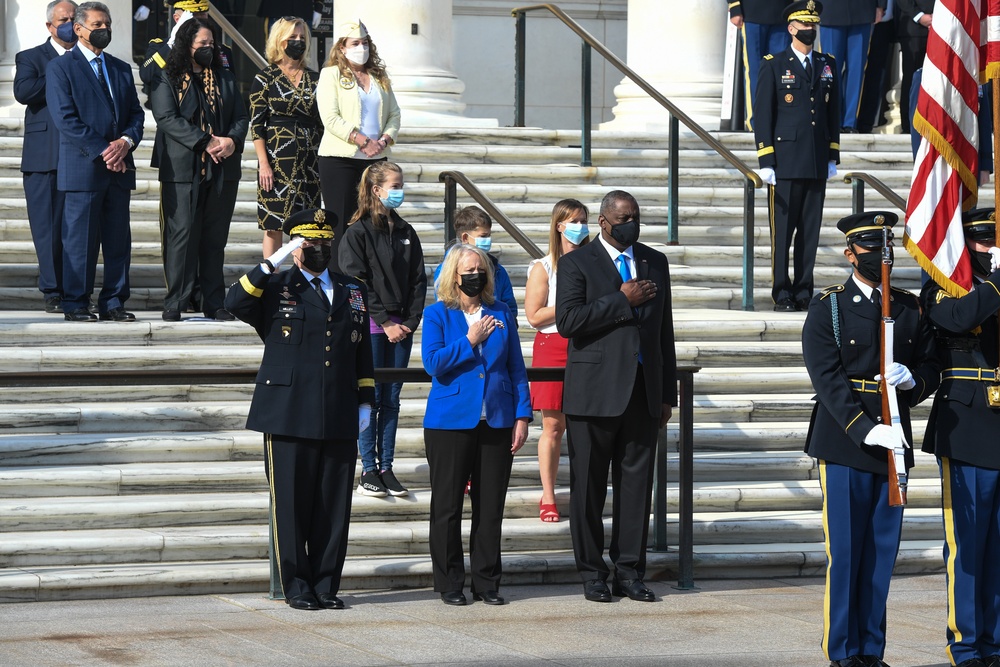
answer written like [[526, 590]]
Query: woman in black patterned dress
[[286, 128]]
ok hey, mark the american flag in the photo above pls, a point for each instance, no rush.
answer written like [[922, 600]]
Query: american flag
[[945, 171]]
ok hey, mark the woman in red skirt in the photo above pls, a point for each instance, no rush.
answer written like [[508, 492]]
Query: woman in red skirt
[[567, 232]]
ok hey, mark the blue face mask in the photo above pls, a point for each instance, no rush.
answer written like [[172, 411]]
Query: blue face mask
[[65, 32], [576, 232], [394, 199], [484, 243]]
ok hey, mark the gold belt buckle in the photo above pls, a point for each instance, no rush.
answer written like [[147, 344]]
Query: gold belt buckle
[[993, 390]]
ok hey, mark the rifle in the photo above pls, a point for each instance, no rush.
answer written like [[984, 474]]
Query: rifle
[[890, 404]]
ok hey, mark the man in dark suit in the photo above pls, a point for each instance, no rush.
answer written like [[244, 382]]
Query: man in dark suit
[[913, 22], [840, 344], [962, 432], [613, 304], [797, 128], [91, 96], [40, 154], [313, 396], [764, 31]]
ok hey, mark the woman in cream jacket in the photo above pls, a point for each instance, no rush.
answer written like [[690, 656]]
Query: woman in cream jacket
[[360, 118]]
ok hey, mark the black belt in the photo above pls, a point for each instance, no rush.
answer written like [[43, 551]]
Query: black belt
[[975, 374], [287, 121], [866, 386]]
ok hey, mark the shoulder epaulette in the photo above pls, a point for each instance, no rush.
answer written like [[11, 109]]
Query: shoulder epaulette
[[833, 289], [769, 56], [156, 40]]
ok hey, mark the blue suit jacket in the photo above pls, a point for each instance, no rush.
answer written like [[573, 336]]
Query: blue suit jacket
[[462, 378], [41, 138], [85, 120]]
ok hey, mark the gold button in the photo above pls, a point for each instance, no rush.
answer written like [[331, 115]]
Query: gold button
[[480, 376], [329, 333], [814, 122], [327, 348], [812, 99], [268, 382], [852, 341], [287, 315], [328, 363], [329, 319]]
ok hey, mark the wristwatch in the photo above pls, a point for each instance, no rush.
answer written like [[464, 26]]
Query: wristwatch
[[128, 140]]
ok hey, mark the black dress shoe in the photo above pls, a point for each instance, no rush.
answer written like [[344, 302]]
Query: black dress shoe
[[223, 315], [118, 315], [634, 589], [305, 601], [848, 130], [171, 315], [784, 306], [596, 590], [853, 661], [973, 662], [489, 597], [80, 315], [330, 601], [802, 304], [872, 661], [992, 661], [53, 304], [456, 598]]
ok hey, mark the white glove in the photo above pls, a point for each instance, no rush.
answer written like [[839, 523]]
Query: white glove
[[173, 33], [899, 376], [317, 17], [364, 416], [994, 258], [141, 14], [767, 175], [284, 251], [831, 169], [882, 436]]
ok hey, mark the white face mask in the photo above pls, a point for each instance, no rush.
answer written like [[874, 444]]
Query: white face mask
[[357, 54]]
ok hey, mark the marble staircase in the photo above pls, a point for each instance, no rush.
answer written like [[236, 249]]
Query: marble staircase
[[147, 490]]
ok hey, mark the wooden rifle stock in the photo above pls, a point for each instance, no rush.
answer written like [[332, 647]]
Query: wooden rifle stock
[[897, 493]]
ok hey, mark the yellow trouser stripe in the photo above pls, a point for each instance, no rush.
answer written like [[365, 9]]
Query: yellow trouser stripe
[[274, 519], [949, 536], [829, 563], [770, 215], [250, 289], [748, 94]]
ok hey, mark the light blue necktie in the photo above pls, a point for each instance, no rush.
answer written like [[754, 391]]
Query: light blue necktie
[[623, 269]]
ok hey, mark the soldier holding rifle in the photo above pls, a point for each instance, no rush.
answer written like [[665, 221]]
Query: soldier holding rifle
[[852, 440], [962, 432]]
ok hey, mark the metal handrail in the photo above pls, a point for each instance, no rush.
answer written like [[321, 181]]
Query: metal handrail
[[857, 180], [685, 442], [751, 179], [453, 178], [238, 39]]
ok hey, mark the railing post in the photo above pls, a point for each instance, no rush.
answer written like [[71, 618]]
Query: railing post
[[857, 195], [450, 204], [685, 495], [585, 108], [519, 49], [748, 234], [673, 188]]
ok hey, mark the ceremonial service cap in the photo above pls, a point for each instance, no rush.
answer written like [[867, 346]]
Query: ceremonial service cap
[[980, 224], [193, 6], [309, 224], [352, 29], [865, 229], [805, 11]]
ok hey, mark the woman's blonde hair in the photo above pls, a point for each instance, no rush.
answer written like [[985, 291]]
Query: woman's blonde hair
[[447, 282], [375, 67], [276, 36], [369, 204], [561, 212]]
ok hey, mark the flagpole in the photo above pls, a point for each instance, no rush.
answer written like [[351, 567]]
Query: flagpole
[[995, 85]]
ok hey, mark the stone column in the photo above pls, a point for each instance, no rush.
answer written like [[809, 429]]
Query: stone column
[[23, 26], [414, 39], [678, 47]]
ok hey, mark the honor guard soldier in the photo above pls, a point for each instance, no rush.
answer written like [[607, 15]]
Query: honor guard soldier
[[797, 130], [157, 50], [962, 432], [764, 31], [840, 343], [313, 395]]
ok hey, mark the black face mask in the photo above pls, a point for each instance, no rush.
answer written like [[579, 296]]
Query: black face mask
[[473, 284], [807, 37], [295, 48], [626, 233], [870, 266], [980, 262], [204, 56], [317, 257], [100, 38]]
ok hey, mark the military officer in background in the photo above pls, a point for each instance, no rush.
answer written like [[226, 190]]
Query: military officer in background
[[313, 396], [962, 432], [763, 31], [840, 344], [797, 130], [157, 50]]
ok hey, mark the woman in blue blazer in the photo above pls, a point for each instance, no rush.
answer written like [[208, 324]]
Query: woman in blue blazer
[[477, 418]]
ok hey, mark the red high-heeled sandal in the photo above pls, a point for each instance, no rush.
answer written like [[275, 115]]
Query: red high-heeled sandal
[[548, 513]]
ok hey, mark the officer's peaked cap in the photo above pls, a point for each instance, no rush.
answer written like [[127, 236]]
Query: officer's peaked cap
[[313, 223], [805, 11]]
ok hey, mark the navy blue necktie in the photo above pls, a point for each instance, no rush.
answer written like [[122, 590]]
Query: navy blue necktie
[[104, 84]]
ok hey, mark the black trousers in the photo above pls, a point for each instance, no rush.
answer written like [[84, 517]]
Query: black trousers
[[194, 229], [626, 444], [452, 456], [338, 179], [311, 483], [796, 211]]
